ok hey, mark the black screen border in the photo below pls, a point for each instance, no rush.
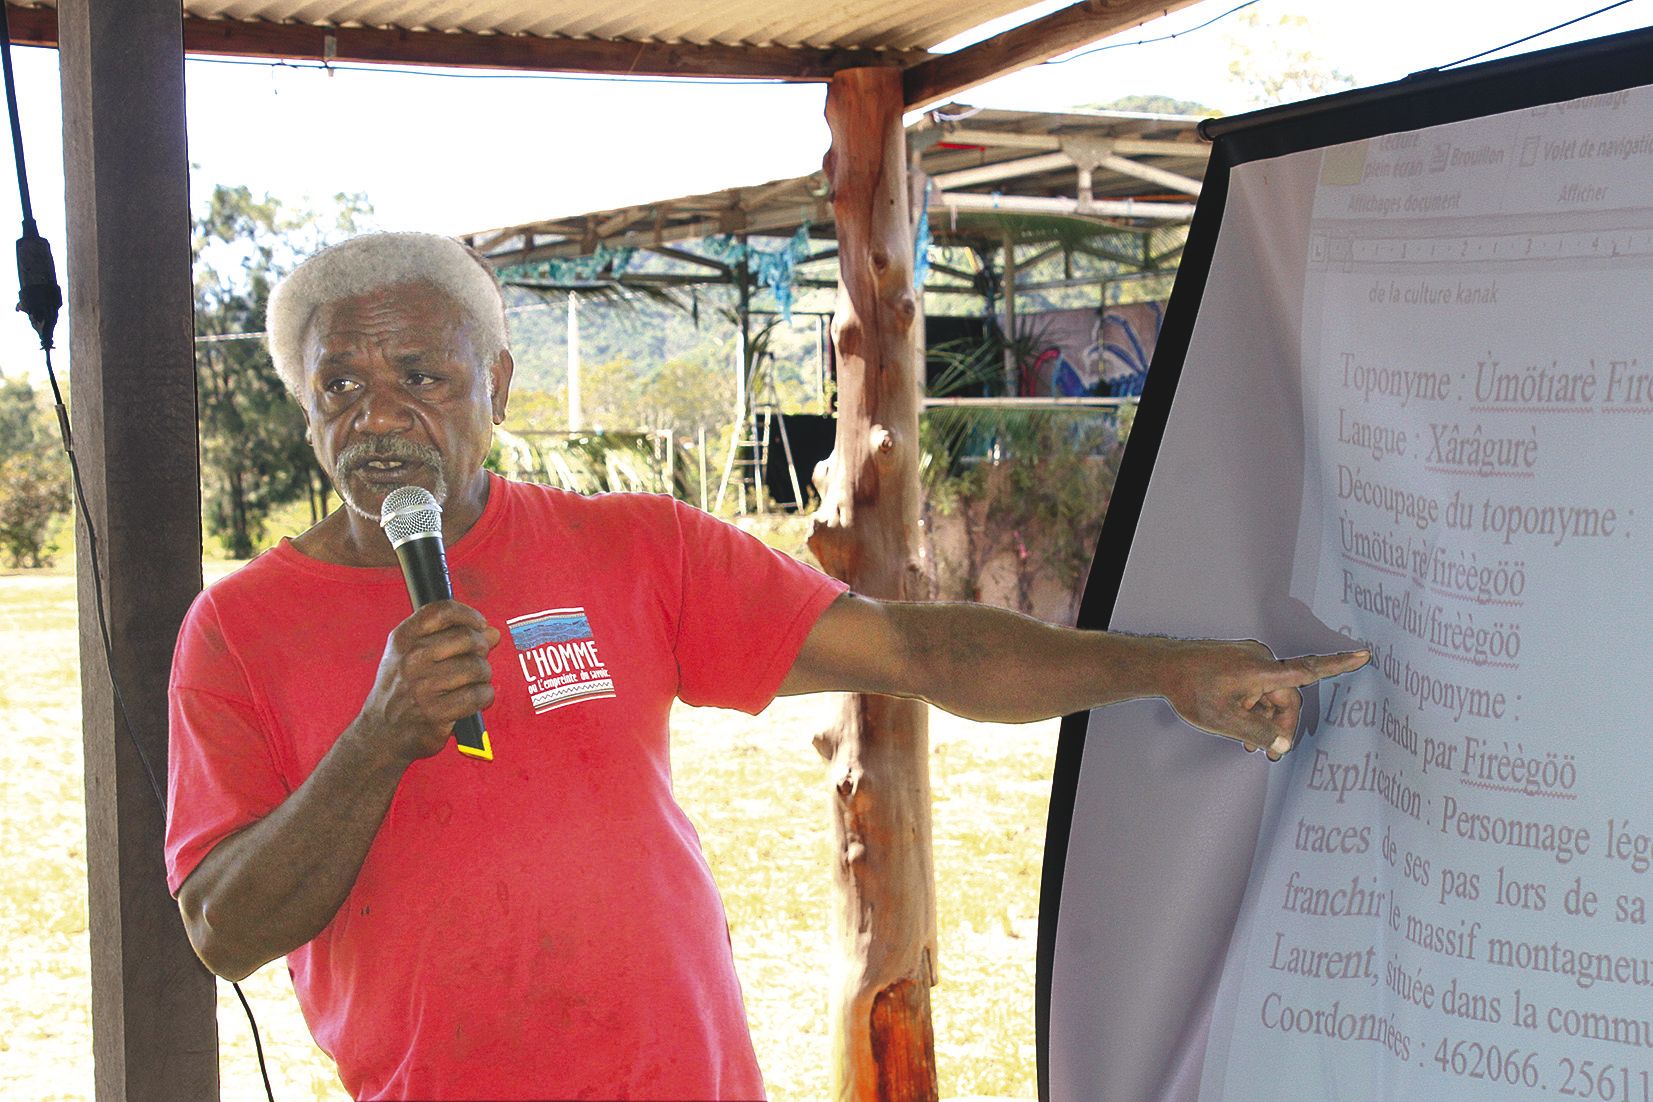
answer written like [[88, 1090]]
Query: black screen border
[[1431, 98]]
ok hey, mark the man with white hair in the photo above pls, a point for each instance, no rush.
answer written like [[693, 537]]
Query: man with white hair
[[541, 925]]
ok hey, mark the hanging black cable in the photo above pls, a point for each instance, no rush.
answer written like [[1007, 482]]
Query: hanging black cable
[[1150, 41], [1535, 34], [41, 298]]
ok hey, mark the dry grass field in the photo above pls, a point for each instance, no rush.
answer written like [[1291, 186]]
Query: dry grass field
[[755, 788]]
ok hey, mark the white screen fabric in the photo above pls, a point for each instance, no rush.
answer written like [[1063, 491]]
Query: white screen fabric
[[1416, 412]]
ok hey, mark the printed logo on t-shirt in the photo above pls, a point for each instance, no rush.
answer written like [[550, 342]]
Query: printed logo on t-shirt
[[558, 656]]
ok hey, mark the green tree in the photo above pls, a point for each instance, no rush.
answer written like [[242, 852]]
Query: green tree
[[608, 396], [254, 456], [1028, 485], [681, 395], [1275, 60], [689, 393], [34, 477], [21, 418], [36, 492], [535, 411], [1039, 497]]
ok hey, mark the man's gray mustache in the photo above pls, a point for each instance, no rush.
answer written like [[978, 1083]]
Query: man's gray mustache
[[386, 447]]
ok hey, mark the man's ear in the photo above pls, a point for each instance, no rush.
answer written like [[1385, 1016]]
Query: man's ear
[[499, 373]]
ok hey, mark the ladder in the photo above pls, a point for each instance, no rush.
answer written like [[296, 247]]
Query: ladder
[[749, 454], [749, 448]]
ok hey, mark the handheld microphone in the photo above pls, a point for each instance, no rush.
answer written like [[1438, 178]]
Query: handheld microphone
[[412, 518]]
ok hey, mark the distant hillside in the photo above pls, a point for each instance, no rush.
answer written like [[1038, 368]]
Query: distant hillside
[[646, 336], [1157, 105]]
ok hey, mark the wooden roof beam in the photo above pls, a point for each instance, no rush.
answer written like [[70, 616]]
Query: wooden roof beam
[[1084, 155], [1038, 204], [688, 257], [458, 49], [956, 273], [1001, 170], [622, 220], [654, 240], [1148, 147], [494, 241], [753, 198], [1176, 181], [1044, 254], [1129, 147], [496, 236], [1005, 139], [939, 78], [1111, 255]]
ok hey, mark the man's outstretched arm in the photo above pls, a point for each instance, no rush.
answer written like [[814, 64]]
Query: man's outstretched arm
[[989, 664]]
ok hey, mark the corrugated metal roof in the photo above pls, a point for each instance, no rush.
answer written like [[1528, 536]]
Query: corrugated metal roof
[[872, 24], [703, 39]]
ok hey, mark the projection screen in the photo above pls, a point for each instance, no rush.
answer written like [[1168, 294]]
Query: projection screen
[[1404, 397]]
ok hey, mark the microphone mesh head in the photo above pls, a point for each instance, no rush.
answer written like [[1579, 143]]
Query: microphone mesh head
[[410, 512]]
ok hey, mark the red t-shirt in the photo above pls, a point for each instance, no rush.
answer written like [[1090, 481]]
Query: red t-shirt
[[542, 925]]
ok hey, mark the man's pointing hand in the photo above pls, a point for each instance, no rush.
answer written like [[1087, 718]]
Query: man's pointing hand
[[1241, 691]]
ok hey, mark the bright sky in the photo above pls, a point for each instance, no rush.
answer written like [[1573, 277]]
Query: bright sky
[[452, 154]]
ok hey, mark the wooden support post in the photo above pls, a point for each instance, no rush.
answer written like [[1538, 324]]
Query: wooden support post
[[576, 406], [918, 192], [154, 1019], [743, 347], [866, 534], [1012, 365], [747, 428]]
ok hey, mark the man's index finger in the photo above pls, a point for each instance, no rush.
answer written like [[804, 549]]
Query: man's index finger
[[1298, 672]]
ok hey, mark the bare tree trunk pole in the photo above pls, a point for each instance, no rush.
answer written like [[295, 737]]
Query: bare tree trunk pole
[[866, 533]]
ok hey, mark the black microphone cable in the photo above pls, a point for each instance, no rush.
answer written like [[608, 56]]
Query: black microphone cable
[[40, 297]]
